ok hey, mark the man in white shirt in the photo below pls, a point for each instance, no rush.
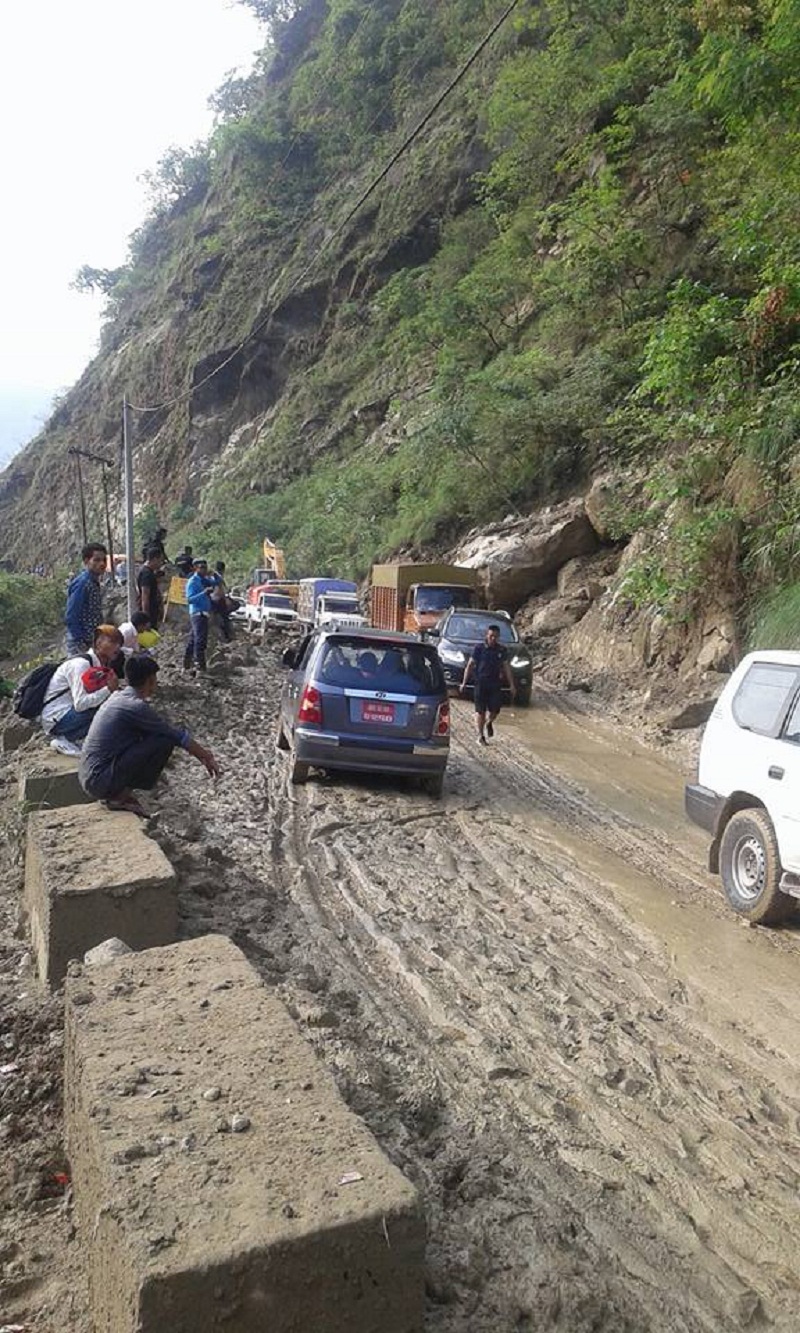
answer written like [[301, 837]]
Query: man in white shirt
[[77, 688]]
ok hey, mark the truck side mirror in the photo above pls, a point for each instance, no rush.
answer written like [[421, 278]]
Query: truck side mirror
[[433, 633], [289, 657]]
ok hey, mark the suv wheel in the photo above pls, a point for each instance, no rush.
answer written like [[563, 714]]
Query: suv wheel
[[298, 771], [751, 870]]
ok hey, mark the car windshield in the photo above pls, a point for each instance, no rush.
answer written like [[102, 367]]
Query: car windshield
[[472, 629], [440, 599], [272, 601], [374, 664]]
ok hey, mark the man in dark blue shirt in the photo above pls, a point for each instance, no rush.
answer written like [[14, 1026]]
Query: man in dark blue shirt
[[489, 664], [85, 600]]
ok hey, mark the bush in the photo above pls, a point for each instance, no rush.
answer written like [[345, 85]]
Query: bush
[[29, 607], [775, 620]]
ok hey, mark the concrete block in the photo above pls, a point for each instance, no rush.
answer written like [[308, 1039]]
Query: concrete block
[[14, 735], [296, 1224], [90, 874], [50, 782]]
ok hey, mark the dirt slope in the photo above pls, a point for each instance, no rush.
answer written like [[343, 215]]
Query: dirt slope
[[537, 1001]]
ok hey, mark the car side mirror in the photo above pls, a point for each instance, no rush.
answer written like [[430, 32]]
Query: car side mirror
[[289, 657]]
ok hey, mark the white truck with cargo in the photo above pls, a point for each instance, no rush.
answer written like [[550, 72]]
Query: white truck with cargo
[[312, 592]]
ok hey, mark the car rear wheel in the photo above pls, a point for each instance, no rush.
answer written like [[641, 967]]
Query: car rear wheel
[[750, 868], [433, 785], [298, 771], [280, 737]]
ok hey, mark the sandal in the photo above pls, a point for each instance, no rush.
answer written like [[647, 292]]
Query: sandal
[[128, 803]]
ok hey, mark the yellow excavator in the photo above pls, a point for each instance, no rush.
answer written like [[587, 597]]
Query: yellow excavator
[[274, 566]]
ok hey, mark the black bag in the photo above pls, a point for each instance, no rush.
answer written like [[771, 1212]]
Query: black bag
[[28, 698]]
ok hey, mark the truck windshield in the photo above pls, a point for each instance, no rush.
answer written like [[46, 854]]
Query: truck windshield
[[471, 629], [441, 599], [341, 604], [367, 664], [273, 601]]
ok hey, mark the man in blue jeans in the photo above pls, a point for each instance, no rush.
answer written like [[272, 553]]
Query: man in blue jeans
[[77, 688], [199, 604], [85, 600]]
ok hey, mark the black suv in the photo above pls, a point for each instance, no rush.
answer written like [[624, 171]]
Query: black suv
[[457, 634]]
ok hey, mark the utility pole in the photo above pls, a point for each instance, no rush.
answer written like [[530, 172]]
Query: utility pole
[[78, 454], [127, 465]]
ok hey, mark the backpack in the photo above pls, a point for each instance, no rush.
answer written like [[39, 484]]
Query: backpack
[[28, 698]]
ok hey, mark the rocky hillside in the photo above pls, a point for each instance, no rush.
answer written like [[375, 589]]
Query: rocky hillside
[[584, 263]]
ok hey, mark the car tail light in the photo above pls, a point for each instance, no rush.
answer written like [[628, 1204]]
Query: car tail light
[[442, 724], [310, 706]]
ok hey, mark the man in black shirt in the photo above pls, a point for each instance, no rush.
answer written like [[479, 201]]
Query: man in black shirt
[[150, 598], [489, 663]]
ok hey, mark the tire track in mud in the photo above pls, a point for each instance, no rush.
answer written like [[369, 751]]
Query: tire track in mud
[[591, 1152]]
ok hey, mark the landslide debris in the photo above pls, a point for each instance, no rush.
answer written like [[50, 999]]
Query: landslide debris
[[520, 991]]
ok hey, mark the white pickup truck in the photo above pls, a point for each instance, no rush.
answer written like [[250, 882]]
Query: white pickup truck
[[271, 611], [338, 609]]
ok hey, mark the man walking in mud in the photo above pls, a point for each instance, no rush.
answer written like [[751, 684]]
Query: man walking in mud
[[489, 665]]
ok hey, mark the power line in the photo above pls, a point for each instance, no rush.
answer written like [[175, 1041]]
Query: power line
[[410, 138]]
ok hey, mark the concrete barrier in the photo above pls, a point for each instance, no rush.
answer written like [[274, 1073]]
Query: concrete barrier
[[220, 1182], [15, 733], [51, 782], [91, 874]]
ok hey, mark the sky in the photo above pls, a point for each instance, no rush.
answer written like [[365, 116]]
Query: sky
[[92, 93]]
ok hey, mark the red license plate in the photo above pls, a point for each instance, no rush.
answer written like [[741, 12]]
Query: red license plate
[[372, 710]]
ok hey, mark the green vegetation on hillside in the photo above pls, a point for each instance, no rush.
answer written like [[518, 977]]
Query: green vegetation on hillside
[[590, 259]]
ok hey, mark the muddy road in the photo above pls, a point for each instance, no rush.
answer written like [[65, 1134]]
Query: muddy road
[[534, 996]]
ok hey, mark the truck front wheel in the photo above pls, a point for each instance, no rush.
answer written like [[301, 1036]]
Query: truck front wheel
[[750, 868]]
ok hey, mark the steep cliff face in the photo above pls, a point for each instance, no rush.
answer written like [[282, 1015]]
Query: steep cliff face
[[585, 261], [236, 290]]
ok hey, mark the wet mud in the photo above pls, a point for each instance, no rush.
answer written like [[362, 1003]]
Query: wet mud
[[535, 997]]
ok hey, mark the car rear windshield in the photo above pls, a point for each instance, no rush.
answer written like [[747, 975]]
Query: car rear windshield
[[763, 696], [362, 664], [471, 629]]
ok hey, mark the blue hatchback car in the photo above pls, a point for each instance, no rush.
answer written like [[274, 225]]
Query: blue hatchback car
[[365, 700]]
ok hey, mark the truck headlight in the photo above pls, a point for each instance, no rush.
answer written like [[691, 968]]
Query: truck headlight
[[453, 655]]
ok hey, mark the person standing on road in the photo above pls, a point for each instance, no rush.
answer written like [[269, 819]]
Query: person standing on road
[[149, 595], [220, 603], [198, 600], [129, 742], [489, 664], [85, 600]]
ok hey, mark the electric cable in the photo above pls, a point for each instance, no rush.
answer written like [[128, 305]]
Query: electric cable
[[187, 394]]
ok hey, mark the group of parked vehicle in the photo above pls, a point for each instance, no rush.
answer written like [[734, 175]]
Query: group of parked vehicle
[[367, 689]]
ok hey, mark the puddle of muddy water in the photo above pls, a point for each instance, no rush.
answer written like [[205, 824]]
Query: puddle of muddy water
[[610, 765], [736, 970]]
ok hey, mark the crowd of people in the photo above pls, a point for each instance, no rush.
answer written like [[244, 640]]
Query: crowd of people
[[97, 703]]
